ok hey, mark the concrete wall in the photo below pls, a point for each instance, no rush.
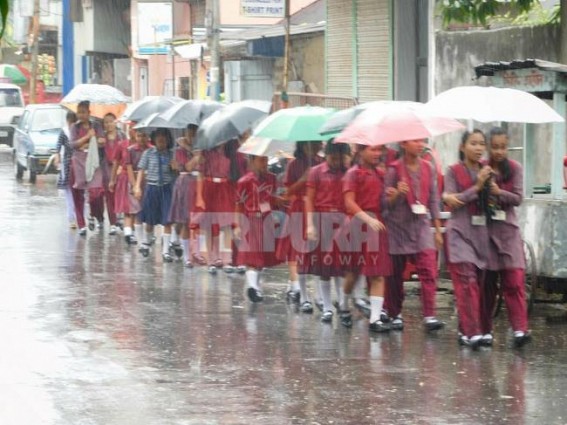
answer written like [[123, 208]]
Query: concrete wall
[[457, 53], [307, 63]]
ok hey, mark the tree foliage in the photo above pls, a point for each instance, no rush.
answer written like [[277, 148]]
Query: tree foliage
[[478, 11], [4, 7]]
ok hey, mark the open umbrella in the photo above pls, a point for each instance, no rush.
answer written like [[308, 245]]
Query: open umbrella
[[261, 146], [13, 73], [152, 121], [230, 122], [143, 108], [189, 112], [103, 99], [295, 124], [487, 104], [377, 126], [338, 121]]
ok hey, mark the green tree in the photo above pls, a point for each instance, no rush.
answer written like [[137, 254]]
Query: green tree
[[478, 11], [4, 7]]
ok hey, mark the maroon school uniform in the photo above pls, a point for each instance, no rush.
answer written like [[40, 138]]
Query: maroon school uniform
[[369, 248], [124, 200], [467, 247], [183, 197], [506, 256], [410, 235], [254, 197], [295, 222], [324, 259], [218, 192]]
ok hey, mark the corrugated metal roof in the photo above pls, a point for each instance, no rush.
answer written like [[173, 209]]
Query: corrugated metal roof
[[488, 69]]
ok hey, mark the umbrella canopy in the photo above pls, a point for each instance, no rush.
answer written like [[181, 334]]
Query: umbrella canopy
[[261, 146], [14, 73], [294, 125], [230, 122], [143, 108], [341, 119], [487, 104], [189, 112], [103, 98], [152, 121], [380, 127]]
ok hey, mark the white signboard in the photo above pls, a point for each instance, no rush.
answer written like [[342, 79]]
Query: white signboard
[[263, 8], [154, 28]]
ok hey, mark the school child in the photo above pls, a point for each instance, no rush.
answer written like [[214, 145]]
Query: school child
[[506, 256], [81, 133], [111, 144], [253, 225], [363, 186], [467, 234], [64, 153], [295, 181], [123, 182], [183, 200], [216, 196], [156, 171], [324, 206], [411, 196]]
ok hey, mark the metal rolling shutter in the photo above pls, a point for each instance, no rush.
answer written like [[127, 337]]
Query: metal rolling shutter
[[339, 48], [373, 36]]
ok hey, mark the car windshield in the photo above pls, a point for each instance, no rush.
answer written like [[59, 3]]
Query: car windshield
[[10, 97], [47, 119]]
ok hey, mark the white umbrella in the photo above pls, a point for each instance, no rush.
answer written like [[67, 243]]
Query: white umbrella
[[143, 108], [101, 94], [488, 104], [262, 146], [152, 121]]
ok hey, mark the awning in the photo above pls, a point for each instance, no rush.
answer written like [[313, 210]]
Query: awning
[[191, 51]]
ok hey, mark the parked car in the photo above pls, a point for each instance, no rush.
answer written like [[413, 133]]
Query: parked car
[[11, 109], [35, 140]]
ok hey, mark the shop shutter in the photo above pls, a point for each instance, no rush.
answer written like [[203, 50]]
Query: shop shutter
[[339, 43]]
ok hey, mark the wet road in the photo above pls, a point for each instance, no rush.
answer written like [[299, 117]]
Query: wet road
[[91, 333]]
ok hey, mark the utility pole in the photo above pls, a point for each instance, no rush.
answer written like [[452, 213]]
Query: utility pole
[[212, 23], [172, 48], [35, 51], [285, 97]]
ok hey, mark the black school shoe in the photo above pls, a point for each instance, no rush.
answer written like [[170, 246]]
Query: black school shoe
[[433, 325], [254, 295], [521, 339], [379, 327], [306, 307], [292, 296], [346, 318], [130, 240]]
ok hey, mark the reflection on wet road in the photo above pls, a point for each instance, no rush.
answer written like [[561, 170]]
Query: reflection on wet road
[[94, 334]]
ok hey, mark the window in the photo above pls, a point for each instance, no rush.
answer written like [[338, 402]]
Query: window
[[11, 97], [47, 119]]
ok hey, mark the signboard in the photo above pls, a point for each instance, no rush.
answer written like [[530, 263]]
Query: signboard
[[263, 8], [154, 28]]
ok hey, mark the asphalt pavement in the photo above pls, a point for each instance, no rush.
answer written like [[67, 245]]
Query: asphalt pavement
[[92, 333]]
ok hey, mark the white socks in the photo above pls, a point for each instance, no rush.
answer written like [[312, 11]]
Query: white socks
[[139, 232], [376, 304], [127, 231], [360, 287], [165, 239], [325, 287], [339, 281], [252, 278], [345, 306], [186, 252], [304, 296], [295, 286], [148, 237]]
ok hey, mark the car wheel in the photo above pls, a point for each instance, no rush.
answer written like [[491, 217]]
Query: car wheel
[[18, 169]]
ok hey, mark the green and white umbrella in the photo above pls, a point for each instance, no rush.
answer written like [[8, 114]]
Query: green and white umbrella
[[13, 73], [301, 124]]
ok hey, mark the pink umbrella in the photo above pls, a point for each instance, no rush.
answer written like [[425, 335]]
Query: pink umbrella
[[377, 126]]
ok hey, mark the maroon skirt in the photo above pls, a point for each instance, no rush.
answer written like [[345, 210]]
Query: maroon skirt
[[291, 245], [220, 204], [257, 247], [329, 254], [124, 200], [368, 250]]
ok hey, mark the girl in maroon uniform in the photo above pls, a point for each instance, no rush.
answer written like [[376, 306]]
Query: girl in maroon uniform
[[363, 186], [123, 182], [295, 180], [506, 259], [324, 205], [253, 225], [467, 235]]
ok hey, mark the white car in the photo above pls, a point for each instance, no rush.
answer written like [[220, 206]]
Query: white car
[[11, 109]]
